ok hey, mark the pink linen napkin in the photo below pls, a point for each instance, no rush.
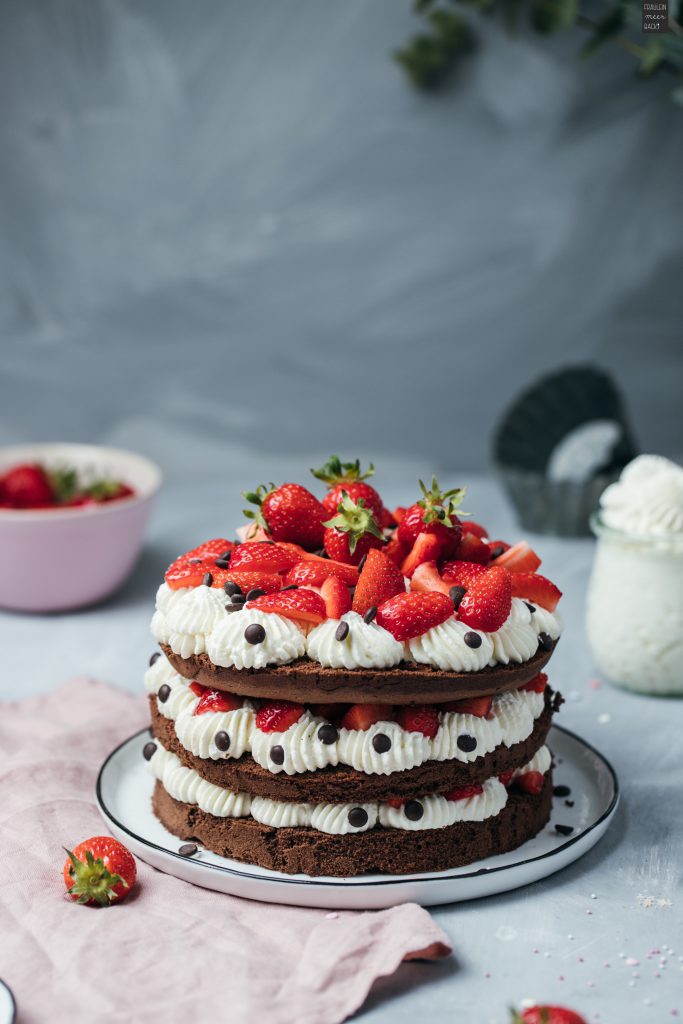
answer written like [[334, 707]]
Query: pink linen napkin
[[171, 951]]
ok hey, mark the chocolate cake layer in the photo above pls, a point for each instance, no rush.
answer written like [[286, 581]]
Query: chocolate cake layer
[[408, 683], [341, 783], [382, 850]]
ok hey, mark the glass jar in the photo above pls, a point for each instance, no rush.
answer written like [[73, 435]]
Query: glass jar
[[635, 610]]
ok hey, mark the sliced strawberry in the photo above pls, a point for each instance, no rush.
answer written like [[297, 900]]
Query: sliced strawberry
[[379, 580], [211, 549], [535, 588], [419, 718], [428, 547], [362, 716], [487, 601], [479, 706], [519, 558], [197, 688], [314, 572], [278, 715], [411, 614], [302, 605], [395, 801], [216, 700], [506, 777], [336, 596], [537, 684], [530, 782], [246, 581], [332, 712], [262, 557], [497, 548], [190, 569], [426, 578], [469, 526], [399, 512], [461, 573], [464, 792], [396, 550], [472, 549]]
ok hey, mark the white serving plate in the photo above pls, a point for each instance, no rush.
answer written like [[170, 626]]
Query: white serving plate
[[8, 1007], [124, 790]]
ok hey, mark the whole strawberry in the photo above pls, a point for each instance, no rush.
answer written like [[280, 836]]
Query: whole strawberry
[[434, 513], [288, 513], [352, 532], [547, 1015], [99, 871], [24, 486], [347, 477]]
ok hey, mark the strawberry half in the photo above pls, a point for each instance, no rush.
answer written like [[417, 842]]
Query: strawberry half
[[362, 716], [487, 601], [530, 782], [336, 596], [314, 572], [288, 513], [472, 549], [519, 558], [189, 569], [263, 557], [395, 549], [278, 715], [352, 532], [411, 614], [478, 706], [537, 684], [464, 792], [347, 477], [426, 578], [216, 700], [300, 605], [197, 688], [536, 588], [379, 580], [428, 547], [419, 718]]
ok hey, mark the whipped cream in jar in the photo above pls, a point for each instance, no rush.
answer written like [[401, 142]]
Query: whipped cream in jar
[[635, 598]]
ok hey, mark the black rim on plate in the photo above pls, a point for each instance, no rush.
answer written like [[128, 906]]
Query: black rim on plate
[[399, 880]]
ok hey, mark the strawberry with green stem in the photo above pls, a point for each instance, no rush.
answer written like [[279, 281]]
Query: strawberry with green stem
[[288, 513], [348, 477], [434, 512], [352, 532], [99, 871]]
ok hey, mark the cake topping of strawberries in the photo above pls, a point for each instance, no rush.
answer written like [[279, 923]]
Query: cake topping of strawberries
[[352, 532], [411, 614], [336, 596], [537, 684], [426, 548], [314, 572], [347, 477], [301, 605], [260, 555], [519, 558], [478, 706], [362, 716], [487, 601], [288, 513], [434, 512], [216, 700], [419, 718], [537, 588], [379, 580], [278, 715]]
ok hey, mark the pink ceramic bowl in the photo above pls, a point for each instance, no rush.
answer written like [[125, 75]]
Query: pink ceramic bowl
[[54, 559]]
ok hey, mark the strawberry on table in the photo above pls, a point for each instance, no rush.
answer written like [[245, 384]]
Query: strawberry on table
[[519, 558], [362, 716], [99, 871], [278, 715], [536, 588], [27, 485], [487, 601], [262, 555], [336, 596], [288, 513], [428, 547], [347, 477], [216, 700], [434, 513], [547, 1014], [314, 572], [379, 580], [411, 614], [419, 718], [301, 605], [352, 532]]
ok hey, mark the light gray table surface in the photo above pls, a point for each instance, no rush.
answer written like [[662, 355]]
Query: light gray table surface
[[565, 939]]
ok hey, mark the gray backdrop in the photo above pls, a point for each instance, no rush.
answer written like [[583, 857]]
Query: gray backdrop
[[232, 230]]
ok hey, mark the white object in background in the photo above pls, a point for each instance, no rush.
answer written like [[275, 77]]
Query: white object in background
[[8, 1008]]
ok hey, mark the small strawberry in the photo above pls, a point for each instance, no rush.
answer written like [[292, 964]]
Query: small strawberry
[[216, 700], [535, 588], [530, 782], [379, 580], [409, 615], [461, 573], [426, 578], [519, 558], [469, 526], [419, 718], [352, 532], [433, 513], [278, 715], [472, 549], [537, 684], [301, 605], [346, 477], [428, 547], [487, 601], [547, 1015], [27, 485], [314, 573], [362, 716], [478, 706], [464, 792], [288, 513], [99, 871], [262, 556], [336, 596]]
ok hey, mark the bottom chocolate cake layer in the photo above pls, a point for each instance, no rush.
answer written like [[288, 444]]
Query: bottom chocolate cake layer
[[382, 850]]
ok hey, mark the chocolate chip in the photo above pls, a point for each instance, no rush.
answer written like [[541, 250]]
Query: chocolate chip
[[545, 641], [238, 600], [381, 743], [358, 817], [234, 607], [327, 733], [222, 740], [362, 562], [561, 791], [208, 579], [413, 810], [222, 563], [254, 593], [456, 595], [194, 561], [164, 693], [497, 551], [188, 849], [370, 614], [226, 556], [154, 657], [467, 743], [290, 586], [342, 631], [531, 607], [564, 830], [277, 754], [231, 588], [569, 803], [255, 633], [472, 639], [149, 750]]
